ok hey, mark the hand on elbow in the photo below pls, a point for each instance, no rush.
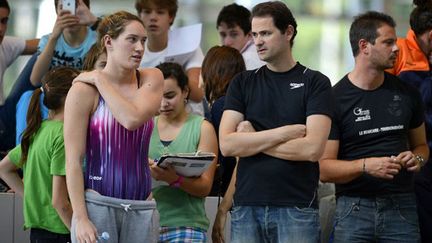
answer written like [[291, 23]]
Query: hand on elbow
[[290, 132]]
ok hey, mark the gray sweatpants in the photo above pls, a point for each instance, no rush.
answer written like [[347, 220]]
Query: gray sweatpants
[[124, 220]]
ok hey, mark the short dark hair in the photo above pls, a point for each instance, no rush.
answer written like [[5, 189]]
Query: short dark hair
[[281, 14], [421, 16], [233, 15], [175, 71], [170, 5], [365, 27], [4, 4]]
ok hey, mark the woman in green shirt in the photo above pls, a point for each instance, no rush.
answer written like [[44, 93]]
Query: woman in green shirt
[[47, 211], [180, 201]]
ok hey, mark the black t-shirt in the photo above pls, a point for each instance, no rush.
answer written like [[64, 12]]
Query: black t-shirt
[[268, 100], [375, 123]]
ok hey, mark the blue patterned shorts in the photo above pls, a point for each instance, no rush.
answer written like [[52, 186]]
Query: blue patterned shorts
[[182, 234]]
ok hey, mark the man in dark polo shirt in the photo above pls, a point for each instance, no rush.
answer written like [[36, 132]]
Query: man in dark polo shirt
[[276, 120]]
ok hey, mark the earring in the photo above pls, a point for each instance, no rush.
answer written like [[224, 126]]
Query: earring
[[185, 101]]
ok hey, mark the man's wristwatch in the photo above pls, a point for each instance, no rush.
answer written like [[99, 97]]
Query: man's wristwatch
[[420, 160], [177, 183]]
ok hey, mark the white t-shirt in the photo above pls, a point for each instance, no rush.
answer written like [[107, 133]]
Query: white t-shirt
[[10, 49], [189, 60], [186, 60], [250, 56], [183, 47]]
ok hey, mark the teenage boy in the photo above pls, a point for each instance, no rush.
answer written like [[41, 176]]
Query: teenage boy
[[69, 41], [11, 47], [158, 16], [234, 28]]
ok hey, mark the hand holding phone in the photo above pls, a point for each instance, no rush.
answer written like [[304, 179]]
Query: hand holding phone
[[69, 5]]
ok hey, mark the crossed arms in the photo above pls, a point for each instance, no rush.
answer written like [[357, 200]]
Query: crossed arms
[[295, 142]]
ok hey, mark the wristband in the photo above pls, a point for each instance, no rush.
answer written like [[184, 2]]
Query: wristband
[[177, 183]]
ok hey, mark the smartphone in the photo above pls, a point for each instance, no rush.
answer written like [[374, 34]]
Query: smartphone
[[69, 5]]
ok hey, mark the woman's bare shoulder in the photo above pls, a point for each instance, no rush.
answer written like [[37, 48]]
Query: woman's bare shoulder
[[83, 90], [152, 75], [84, 94]]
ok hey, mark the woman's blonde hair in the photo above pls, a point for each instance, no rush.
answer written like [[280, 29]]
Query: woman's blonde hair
[[113, 25]]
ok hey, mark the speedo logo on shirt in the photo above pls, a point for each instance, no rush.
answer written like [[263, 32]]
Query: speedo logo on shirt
[[95, 178], [296, 85], [361, 115]]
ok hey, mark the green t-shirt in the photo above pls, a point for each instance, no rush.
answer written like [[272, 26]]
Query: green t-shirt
[[176, 207], [45, 159]]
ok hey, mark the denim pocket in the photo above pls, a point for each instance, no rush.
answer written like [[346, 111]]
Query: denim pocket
[[303, 214], [307, 210], [405, 204], [238, 213], [343, 209], [409, 214]]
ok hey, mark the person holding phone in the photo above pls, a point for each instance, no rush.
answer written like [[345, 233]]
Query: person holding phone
[[69, 5], [69, 41]]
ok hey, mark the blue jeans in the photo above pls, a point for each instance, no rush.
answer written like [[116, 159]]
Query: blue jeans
[[250, 224], [389, 218]]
